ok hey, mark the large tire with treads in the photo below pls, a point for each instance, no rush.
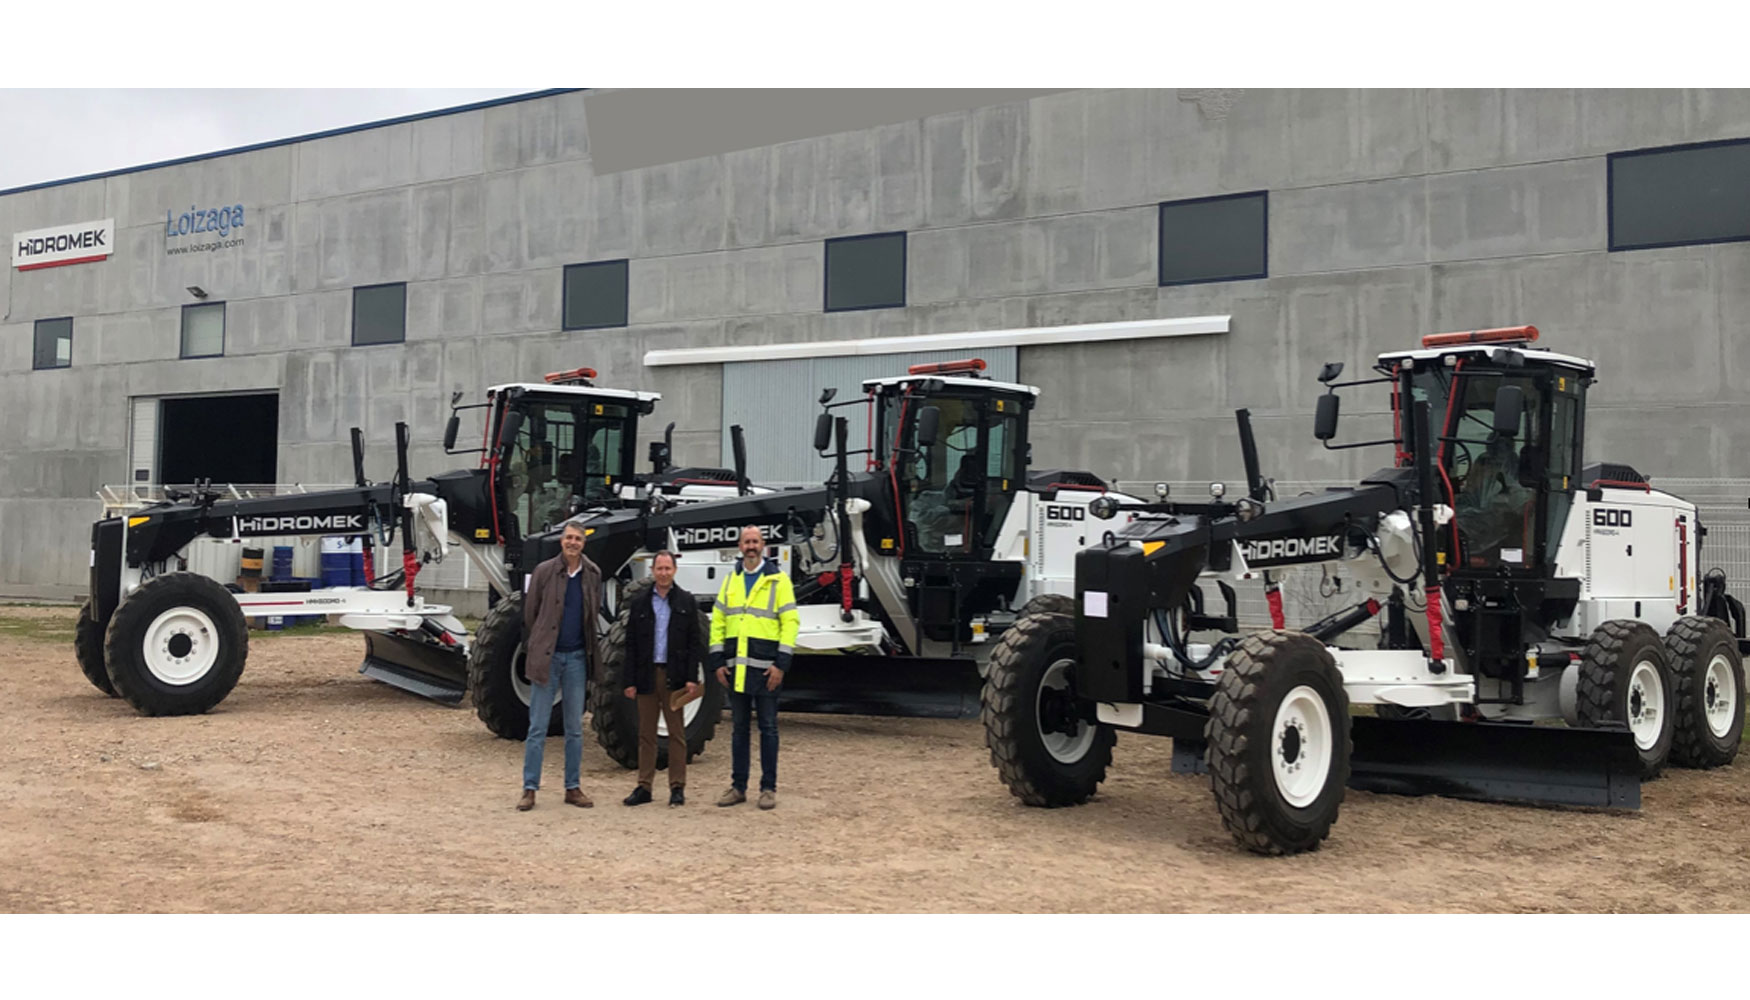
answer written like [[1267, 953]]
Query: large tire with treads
[[1625, 679], [1279, 743], [496, 679], [88, 650], [176, 645], [1707, 676], [614, 717], [1048, 604], [1045, 750]]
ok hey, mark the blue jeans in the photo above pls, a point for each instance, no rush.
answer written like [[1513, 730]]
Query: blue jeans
[[565, 677], [740, 706]]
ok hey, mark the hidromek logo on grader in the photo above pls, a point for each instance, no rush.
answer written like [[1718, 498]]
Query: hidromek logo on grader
[[300, 524], [1263, 552]]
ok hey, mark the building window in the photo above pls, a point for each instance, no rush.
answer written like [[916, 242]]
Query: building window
[[203, 330], [865, 272], [1215, 239], [595, 295], [54, 343], [1680, 195], [379, 314]]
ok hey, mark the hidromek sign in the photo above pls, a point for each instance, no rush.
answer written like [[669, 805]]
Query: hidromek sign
[[58, 245]]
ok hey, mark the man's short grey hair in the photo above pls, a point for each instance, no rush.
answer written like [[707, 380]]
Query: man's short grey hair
[[575, 524]]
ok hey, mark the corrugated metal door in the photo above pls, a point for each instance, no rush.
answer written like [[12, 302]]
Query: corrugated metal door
[[776, 402], [143, 450]]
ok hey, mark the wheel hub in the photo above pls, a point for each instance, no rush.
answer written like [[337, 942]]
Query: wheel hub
[[1304, 746], [1720, 697], [1645, 704], [1066, 736], [181, 646]]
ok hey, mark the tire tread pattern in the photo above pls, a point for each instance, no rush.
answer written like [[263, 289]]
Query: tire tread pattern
[[1693, 744], [1006, 711], [88, 650], [1595, 690]]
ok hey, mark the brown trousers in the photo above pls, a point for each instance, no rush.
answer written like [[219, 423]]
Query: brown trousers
[[648, 706]]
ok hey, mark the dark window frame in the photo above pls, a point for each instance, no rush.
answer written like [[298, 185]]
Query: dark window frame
[[904, 270], [355, 313], [625, 294], [182, 331], [1161, 232], [1610, 161], [36, 332]]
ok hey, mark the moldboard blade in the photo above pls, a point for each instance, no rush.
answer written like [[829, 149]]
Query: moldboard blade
[[878, 685], [423, 668], [1497, 762]]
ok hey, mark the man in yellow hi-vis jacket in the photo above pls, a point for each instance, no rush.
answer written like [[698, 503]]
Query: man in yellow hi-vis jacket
[[753, 631]]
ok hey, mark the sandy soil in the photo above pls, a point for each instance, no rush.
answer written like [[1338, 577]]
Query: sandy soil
[[314, 789]]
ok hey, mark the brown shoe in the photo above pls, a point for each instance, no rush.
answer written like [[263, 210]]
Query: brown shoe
[[768, 798], [734, 796], [527, 802], [575, 797]]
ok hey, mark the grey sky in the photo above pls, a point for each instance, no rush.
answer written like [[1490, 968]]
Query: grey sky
[[56, 134]]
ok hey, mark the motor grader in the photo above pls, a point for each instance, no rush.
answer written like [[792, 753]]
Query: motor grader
[[172, 642], [1550, 636]]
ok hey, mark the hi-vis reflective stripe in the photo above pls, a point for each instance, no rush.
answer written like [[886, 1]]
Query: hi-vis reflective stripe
[[741, 665]]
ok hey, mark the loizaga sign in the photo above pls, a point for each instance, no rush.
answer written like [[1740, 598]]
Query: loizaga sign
[[59, 245], [211, 229]]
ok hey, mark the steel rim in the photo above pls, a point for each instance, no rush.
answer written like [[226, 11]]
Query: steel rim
[[1720, 695], [1301, 746], [181, 646], [1646, 704], [519, 679], [1065, 748]]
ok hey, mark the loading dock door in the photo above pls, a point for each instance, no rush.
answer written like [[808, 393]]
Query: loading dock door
[[775, 402], [227, 439]]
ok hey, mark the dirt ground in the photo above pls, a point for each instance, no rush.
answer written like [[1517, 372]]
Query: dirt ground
[[312, 788]]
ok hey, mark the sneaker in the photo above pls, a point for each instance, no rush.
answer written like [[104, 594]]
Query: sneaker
[[677, 796], [639, 796], [527, 802], [575, 797], [734, 796], [768, 798]]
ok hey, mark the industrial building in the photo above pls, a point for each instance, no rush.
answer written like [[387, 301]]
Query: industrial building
[[1151, 260]]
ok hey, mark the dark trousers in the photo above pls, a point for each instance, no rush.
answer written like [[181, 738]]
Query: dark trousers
[[649, 705], [740, 707]]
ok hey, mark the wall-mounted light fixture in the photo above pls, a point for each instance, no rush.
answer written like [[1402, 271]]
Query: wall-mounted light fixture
[[197, 291]]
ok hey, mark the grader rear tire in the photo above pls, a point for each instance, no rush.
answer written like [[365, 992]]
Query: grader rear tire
[[1046, 753], [176, 645], [1708, 680], [496, 679], [88, 650], [614, 717], [1048, 604], [1625, 677], [1279, 743]]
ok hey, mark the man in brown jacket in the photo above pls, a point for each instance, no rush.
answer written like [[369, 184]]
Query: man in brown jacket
[[559, 625]]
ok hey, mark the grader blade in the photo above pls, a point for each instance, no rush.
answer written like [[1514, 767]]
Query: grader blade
[[1497, 762], [879, 685], [423, 667]]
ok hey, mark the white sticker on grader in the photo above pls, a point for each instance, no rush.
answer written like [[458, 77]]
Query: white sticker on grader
[[1094, 604]]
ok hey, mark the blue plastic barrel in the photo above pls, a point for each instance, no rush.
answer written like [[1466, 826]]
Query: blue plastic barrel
[[357, 560], [282, 562], [336, 569]]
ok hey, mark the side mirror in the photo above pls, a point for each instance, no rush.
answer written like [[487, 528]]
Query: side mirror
[[827, 394], [450, 430], [1330, 371], [929, 424], [1509, 407], [822, 432], [1325, 417], [507, 429]]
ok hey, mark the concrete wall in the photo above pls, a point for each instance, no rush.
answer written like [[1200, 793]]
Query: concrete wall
[[1392, 214]]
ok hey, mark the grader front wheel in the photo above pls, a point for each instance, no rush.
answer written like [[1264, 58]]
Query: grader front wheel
[[1279, 743], [1047, 752]]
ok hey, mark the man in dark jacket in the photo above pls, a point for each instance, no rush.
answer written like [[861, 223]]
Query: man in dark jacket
[[559, 625], [662, 655]]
